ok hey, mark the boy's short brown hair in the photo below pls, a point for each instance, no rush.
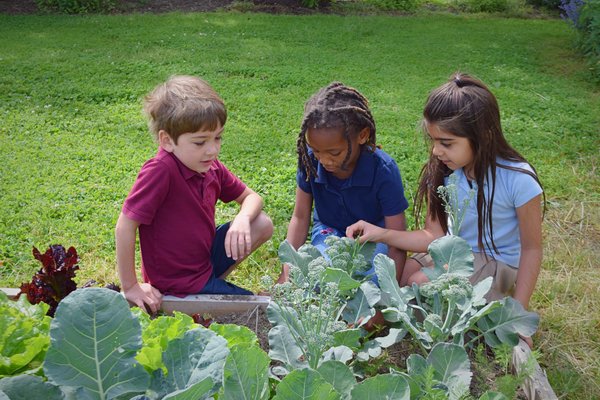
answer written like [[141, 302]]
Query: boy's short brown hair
[[184, 104]]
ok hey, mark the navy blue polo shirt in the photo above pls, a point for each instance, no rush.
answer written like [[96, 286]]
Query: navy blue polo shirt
[[372, 192]]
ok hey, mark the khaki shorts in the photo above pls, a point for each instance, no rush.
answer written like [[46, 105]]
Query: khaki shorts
[[484, 266]]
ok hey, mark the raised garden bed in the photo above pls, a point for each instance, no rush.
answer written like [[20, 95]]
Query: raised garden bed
[[316, 335]]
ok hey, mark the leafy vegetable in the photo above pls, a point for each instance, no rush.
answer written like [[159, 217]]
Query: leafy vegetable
[[305, 384], [235, 334], [246, 373], [94, 340], [446, 368], [449, 308], [450, 254], [156, 335], [24, 335], [54, 281], [26, 387], [384, 386]]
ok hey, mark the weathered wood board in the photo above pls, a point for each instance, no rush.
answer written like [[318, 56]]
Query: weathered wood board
[[536, 386]]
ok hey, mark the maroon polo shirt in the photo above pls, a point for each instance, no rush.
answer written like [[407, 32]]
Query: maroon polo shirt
[[175, 207]]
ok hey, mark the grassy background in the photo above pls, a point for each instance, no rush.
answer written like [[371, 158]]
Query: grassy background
[[73, 138]]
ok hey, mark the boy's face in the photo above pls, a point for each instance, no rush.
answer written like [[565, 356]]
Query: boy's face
[[196, 150]]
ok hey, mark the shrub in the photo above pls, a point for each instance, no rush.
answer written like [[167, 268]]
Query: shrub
[[396, 5], [77, 6], [549, 4], [512, 8], [584, 16], [589, 39]]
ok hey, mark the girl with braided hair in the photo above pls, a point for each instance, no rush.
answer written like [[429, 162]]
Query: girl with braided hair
[[503, 222], [343, 172]]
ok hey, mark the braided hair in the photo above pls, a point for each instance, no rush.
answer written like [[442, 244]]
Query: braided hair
[[335, 106]]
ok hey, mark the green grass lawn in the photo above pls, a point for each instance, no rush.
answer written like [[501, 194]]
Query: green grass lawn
[[72, 135]]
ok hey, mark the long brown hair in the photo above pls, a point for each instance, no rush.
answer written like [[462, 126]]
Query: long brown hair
[[335, 106], [465, 107]]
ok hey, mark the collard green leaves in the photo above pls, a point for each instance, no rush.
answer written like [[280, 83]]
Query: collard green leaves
[[94, 340]]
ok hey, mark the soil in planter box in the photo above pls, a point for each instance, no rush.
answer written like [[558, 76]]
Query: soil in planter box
[[255, 319]]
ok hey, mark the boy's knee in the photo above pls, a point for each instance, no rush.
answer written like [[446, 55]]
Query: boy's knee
[[263, 226]]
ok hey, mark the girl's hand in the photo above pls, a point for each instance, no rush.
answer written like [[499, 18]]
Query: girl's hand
[[145, 296], [365, 231], [238, 241]]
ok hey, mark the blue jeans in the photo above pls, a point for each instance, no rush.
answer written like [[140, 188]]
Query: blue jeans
[[221, 263], [320, 232]]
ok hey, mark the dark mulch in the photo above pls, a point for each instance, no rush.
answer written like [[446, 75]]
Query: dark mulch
[[13, 7]]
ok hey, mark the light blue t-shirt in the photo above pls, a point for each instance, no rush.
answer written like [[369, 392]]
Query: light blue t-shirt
[[513, 189]]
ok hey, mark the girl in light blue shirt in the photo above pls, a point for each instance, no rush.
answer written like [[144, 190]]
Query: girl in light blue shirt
[[503, 223]]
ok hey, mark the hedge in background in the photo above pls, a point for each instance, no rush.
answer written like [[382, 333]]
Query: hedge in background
[[584, 16], [77, 6]]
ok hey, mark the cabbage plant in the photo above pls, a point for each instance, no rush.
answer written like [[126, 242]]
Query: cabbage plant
[[94, 342]]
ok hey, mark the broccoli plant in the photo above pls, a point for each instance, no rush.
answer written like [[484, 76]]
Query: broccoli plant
[[311, 313], [349, 256], [450, 309], [454, 208]]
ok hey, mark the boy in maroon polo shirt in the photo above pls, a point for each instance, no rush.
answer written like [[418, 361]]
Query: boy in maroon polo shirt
[[172, 202]]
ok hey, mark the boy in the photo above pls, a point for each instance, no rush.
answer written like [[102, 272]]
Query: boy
[[172, 203]]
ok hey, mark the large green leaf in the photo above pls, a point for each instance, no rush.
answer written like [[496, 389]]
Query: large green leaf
[[391, 295], [382, 387], [157, 333], [246, 374], [338, 375], [452, 367], [505, 324], [345, 282], [338, 353], [367, 249], [348, 337], [198, 355], [27, 387], [197, 391], [358, 309], [234, 334], [94, 340], [283, 347], [300, 258], [395, 335], [305, 384], [450, 254], [283, 315]]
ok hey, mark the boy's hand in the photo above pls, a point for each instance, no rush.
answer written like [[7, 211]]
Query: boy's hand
[[238, 241], [145, 296], [365, 232]]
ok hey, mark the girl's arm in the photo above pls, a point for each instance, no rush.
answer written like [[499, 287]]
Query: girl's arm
[[238, 241], [140, 294], [530, 228], [414, 241], [397, 223], [298, 227], [300, 221]]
